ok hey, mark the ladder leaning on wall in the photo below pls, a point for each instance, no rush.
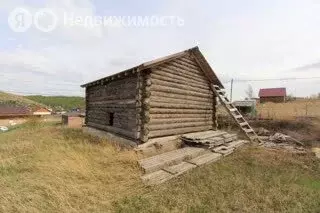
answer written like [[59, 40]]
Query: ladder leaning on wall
[[235, 114]]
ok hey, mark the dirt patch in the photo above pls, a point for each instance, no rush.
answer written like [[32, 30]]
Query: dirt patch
[[305, 130]]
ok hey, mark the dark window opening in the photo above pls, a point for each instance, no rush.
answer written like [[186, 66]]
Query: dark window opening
[[111, 118]]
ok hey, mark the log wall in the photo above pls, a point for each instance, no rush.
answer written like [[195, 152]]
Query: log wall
[[180, 100], [117, 97]]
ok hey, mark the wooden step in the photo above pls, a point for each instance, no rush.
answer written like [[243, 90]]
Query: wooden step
[[237, 143], [233, 110], [164, 160], [248, 130], [170, 172], [243, 124], [205, 159], [157, 177], [179, 168], [238, 116]]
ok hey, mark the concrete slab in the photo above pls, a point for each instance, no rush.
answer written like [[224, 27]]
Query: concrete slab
[[113, 138]]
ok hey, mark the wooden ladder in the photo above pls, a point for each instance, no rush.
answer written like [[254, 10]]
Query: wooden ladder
[[235, 114]]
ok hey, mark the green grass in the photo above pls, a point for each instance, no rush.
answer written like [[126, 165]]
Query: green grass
[[46, 168], [57, 102], [16, 100]]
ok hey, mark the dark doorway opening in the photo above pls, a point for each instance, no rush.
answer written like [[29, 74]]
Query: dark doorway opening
[[111, 118]]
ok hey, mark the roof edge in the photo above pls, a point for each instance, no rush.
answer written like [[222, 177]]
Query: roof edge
[[205, 66], [142, 67]]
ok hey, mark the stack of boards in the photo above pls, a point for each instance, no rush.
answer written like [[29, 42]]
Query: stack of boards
[[202, 148], [213, 140]]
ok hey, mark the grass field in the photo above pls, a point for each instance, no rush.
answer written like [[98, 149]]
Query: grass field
[[45, 168], [55, 102], [290, 110], [17, 100]]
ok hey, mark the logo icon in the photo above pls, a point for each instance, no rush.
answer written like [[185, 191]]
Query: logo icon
[[45, 20], [20, 20]]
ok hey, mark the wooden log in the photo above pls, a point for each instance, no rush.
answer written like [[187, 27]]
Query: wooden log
[[188, 68], [178, 125], [186, 62], [168, 132], [185, 116], [113, 106], [180, 106], [159, 74], [190, 60], [185, 71], [179, 111], [185, 81], [207, 102], [115, 102], [125, 124], [181, 86], [179, 120], [139, 105], [162, 70], [180, 97], [119, 131], [160, 88]]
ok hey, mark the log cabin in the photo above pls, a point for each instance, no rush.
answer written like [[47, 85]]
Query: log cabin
[[165, 97]]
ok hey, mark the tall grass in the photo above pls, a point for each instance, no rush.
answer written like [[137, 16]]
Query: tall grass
[[46, 168], [290, 110]]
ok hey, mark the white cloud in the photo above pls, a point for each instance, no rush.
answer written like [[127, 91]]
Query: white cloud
[[240, 40]]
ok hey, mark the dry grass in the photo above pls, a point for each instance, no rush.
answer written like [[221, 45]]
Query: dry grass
[[251, 180], [44, 168], [290, 110]]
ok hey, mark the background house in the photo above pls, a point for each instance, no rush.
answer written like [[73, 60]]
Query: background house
[[41, 111], [246, 107], [8, 111], [276, 95], [73, 119]]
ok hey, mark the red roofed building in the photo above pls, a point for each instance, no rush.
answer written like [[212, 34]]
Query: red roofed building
[[7, 111], [276, 95]]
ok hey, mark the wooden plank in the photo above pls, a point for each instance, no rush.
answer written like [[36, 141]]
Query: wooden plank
[[207, 158]]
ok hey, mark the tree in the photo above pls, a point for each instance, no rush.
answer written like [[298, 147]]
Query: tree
[[249, 92]]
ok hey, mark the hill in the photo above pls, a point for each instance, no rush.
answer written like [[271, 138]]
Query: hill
[[58, 102], [16, 100]]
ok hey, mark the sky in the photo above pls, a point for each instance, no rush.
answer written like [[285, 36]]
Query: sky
[[242, 40]]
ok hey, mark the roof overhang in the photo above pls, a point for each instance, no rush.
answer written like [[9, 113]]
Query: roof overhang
[[194, 52]]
